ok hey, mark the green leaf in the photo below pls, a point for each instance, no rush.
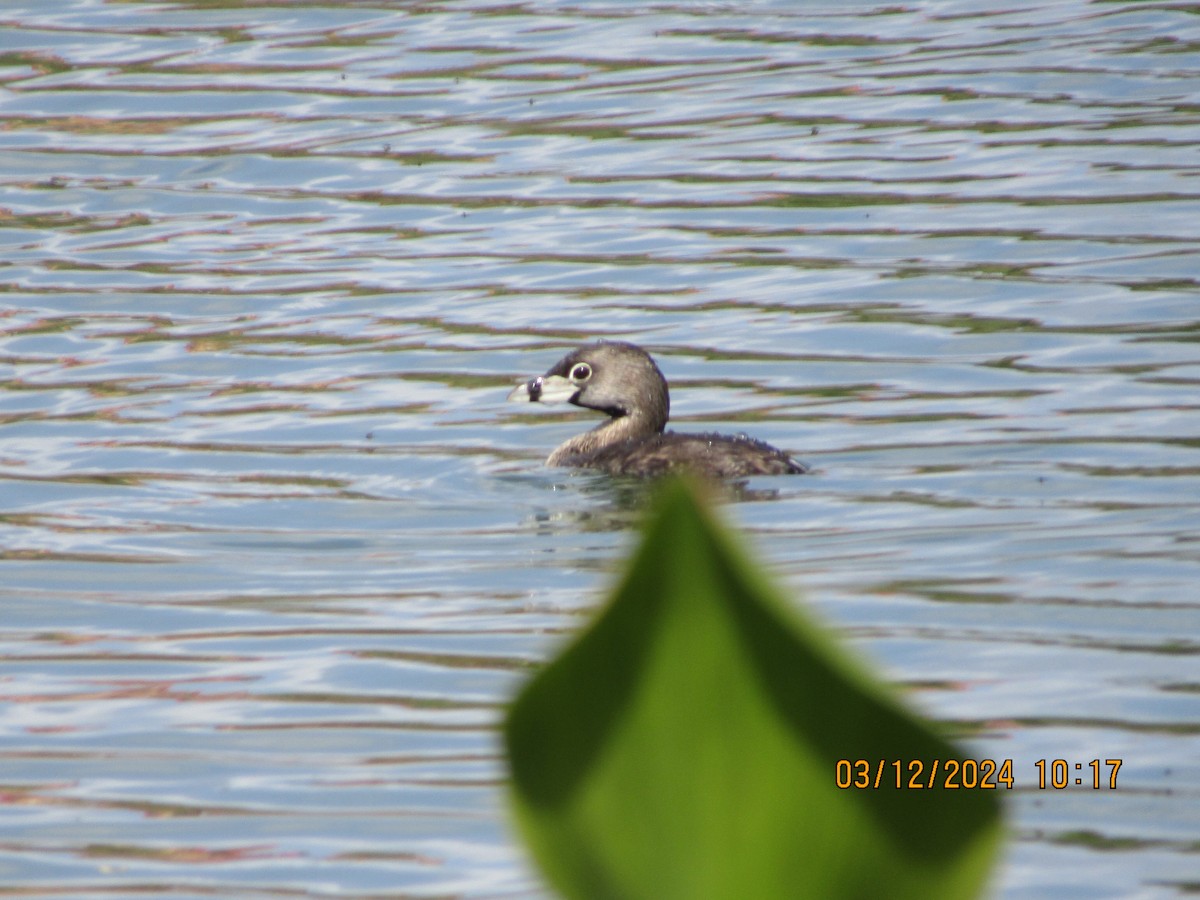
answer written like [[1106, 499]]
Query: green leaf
[[685, 745]]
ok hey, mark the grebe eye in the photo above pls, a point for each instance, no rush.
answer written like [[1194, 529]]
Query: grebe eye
[[581, 372]]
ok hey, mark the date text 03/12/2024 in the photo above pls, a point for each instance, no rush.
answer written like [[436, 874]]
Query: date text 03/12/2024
[[971, 774]]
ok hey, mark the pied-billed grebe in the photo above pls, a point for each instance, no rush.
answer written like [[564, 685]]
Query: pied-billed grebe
[[622, 381]]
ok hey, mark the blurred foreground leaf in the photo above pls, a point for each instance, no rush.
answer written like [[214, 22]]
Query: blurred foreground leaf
[[685, 744]]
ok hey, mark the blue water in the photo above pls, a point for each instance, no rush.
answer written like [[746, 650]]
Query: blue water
[[274, 552]]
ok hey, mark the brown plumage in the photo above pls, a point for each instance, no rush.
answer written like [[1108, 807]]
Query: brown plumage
[[622, 381]]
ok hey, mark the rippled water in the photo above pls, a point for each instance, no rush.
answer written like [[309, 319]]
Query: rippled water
[[273, 550]]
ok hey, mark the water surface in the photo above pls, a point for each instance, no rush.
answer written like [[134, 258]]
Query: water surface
[[274, 551]]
